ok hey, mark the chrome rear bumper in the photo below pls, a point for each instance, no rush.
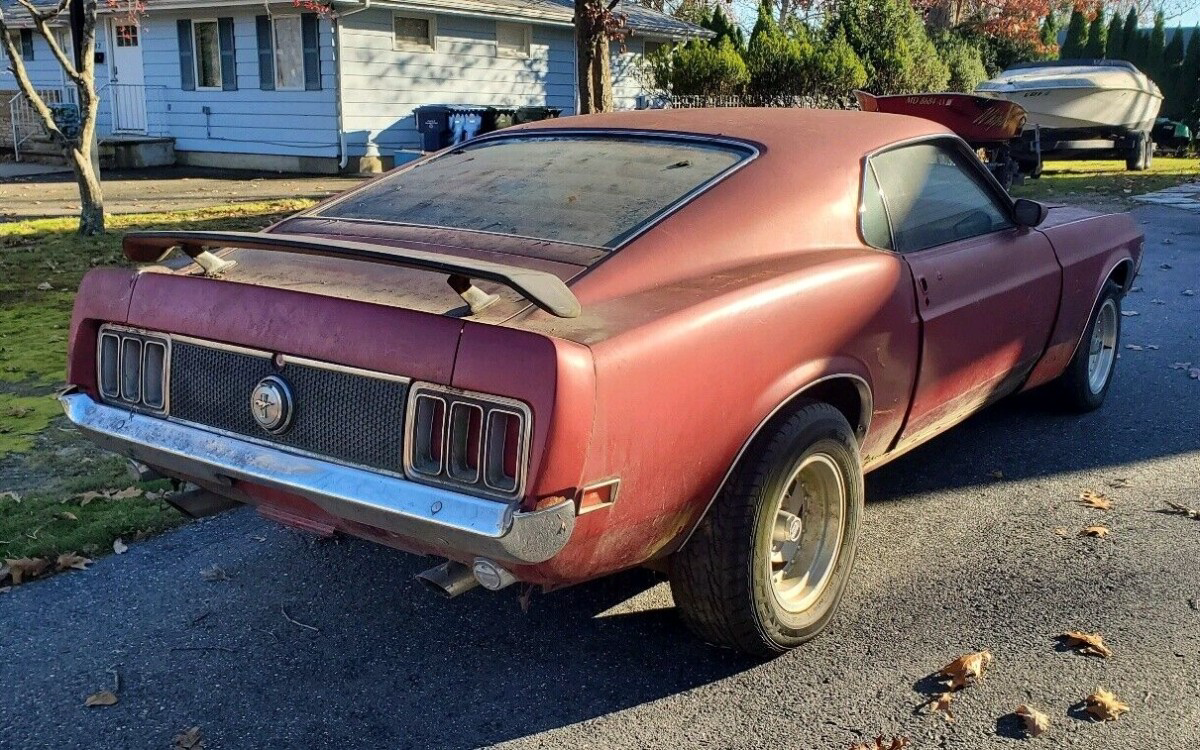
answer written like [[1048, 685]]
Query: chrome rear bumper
[[433, 515]]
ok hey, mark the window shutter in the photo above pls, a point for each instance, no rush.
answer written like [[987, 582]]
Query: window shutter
[[187, 67], [310, 33], [228, 59], [266, 53], [26, 44]]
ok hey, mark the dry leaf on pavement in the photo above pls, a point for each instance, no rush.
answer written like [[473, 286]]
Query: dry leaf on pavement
[[1181, 510], [1098, 531], [940, 703], [1088, 644], [120, 547], [1104, 706], [1118, 483], [189, 739], [879, 743], [1093, 499], [102, 698], [966, 669], [72, 560], [25, 567], [1036, 722]]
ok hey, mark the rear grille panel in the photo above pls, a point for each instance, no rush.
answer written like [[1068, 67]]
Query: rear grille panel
[[346, 416]]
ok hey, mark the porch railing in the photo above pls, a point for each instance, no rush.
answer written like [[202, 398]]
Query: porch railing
[[25, 121]]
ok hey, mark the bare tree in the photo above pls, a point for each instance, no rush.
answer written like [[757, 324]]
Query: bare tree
[[77, 147]]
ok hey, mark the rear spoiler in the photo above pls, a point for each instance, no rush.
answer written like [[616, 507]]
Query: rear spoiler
[[545, 290]]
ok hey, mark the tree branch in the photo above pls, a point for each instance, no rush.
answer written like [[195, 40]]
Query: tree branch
[[57, 51], [17, 65], [44, 15]]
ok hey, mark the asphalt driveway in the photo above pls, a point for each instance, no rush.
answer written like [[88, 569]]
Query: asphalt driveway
[[301, 643]]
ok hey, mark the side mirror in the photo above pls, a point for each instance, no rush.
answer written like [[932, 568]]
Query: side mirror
[[1029, 213]]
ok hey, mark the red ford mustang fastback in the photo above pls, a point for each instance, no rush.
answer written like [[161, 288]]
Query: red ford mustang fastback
[[672, 338]]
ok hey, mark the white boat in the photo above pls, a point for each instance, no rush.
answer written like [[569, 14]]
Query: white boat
[[1101, 97]]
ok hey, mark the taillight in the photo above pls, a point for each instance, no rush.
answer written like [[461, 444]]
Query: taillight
[[467, 440], [132, 368]]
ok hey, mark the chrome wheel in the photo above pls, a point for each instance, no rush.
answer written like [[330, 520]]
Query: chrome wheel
[[807, 533], [1102, 349]]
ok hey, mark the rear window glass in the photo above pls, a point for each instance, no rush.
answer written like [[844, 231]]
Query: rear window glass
[[583, 190]]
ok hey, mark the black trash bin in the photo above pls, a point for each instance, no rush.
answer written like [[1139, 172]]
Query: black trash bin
[[497, 118], [433, 122], [532, 114]]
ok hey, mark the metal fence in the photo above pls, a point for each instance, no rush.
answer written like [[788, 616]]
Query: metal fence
[[25, 122], [748, 100]]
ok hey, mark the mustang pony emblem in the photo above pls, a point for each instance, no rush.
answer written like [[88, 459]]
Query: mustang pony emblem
[[271, 404]]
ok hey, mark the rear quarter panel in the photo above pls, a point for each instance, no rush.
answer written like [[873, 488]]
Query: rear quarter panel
[[1089, 247], [677, 396]]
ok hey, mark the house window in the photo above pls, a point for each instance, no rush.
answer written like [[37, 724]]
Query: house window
[[289, 53], [512, 39], [208, 54], [414, 32], [127, 35], [62, 36], [26, 44]]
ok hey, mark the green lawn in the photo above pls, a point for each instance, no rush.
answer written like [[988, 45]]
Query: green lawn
[[1105, 181], [45, 469]]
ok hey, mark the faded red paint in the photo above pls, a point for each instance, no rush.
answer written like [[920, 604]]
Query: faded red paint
[[691, 335]]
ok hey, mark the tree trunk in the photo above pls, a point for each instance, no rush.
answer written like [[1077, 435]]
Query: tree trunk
[[594, 69], [91, 196]]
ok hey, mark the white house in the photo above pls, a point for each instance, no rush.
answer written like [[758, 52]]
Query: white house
[[249, 84]]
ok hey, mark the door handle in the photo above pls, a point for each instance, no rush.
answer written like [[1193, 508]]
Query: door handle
[[921, 282]]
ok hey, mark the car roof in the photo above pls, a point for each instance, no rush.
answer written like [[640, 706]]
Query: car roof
[[837, 135]]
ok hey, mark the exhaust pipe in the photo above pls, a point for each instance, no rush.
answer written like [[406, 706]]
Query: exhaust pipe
[[449, 579]]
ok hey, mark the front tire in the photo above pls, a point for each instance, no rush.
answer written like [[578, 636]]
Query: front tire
[[768, 564], [1085, 383]]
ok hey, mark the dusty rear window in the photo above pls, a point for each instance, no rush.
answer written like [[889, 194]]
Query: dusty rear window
[[583, 190]]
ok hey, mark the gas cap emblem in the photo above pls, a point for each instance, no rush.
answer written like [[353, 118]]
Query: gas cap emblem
[[271, 404]]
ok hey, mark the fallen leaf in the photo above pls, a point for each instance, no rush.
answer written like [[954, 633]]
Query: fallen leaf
[[1094, 500], [940, 703], [1088, 644], [120, 547], [1036, 722], [1189, 293], [66, 516], [126, 493], [1182, 510], [1118, 483], [10, 495], [1062, 531], [966, 669], [1152, 347], [19, 412], [215, 573], [1129, 313], [86, 497], [102, 698], [1096, 531], [25, 567], [1157, 301], [1133, 347], [1180, 365], [44, 286], [879, 743], [997, 474], [72, 560], [1194, 373], [1104, 706], [1165, 266], [189, 739]]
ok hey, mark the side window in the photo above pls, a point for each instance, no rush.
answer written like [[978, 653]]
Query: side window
[[873, 215], [933, 197]]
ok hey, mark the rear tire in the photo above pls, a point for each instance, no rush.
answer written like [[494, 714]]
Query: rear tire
[[1140, 155], [768, 564], [1085, 383]]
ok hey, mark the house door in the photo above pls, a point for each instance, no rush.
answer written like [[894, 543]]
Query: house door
[[127, 91]]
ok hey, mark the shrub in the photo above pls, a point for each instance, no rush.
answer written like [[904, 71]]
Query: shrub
[[1097, 37], [838, 69], [780, 65], [890, 39], [1076, 41], [699, 69], [963, 60]]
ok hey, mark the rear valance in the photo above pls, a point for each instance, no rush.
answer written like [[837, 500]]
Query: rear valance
[[542, 289]]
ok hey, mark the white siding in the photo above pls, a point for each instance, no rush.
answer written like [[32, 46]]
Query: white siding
[[248, 120], [383, 86]]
